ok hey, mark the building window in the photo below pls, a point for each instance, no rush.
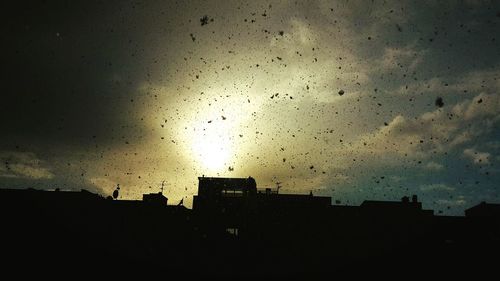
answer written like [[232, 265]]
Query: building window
[[232, 231]]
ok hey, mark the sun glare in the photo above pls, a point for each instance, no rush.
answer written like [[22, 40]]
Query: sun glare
[[214, 135], [212, 154], [211, 145]]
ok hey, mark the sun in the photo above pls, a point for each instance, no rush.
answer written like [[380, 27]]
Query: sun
[[212, 137], [212, 154], [211, 145]]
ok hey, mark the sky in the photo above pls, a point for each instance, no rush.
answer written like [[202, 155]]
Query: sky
[[355, 100]]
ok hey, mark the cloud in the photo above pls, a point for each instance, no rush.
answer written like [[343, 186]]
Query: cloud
[[456, 202], [299, 34], [477, 157], [23, 165], [103, 185], [435, 131], [408, 58], [436, 187], [411, 147], [466, 84], [433, 166]]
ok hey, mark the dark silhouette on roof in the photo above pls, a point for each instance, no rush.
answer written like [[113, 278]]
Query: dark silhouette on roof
[[484, 210], [391, 208], [155, 198]]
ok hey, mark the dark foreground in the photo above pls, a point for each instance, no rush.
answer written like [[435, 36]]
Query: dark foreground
[[56, 232]]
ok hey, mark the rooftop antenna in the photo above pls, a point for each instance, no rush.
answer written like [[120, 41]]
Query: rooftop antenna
[[162, 184], [278, 186]]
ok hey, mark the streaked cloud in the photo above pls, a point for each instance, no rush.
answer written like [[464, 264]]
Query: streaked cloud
[[477, 157], [23, 165], [436, 187]]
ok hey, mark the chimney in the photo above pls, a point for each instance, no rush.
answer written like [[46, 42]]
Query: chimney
[[414, 199]]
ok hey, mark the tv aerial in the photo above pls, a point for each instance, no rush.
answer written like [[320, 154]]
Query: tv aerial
[[162, 186], [278, 186]]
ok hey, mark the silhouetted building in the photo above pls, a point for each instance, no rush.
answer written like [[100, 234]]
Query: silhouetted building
[[237, 195], [34, 196], [396, 208], [217, 193], [155, 198], [484, 209], [273, 200]]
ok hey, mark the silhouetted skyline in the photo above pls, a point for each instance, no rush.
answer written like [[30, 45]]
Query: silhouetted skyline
[[237, 229]]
